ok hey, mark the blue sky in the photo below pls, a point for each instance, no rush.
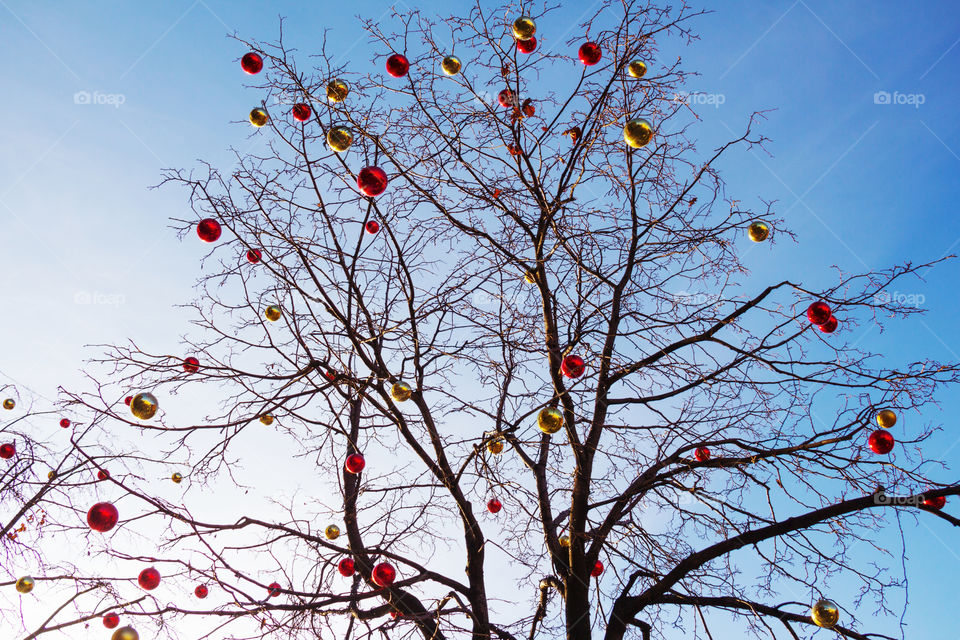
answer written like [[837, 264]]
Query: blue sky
[[88, 256]]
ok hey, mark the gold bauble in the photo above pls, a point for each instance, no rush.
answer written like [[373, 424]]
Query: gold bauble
[[177, 478], [550, 420], [259, 117], [144, 406], [530, 277], [564, 541], [401, 391], [267, 419], [637, 69], [332, 532], [524, 28], [337, 90], [638, 133], [25, 584], [272, 313], [886, 418], [758, 230], [451, 65], [125, 633], [9, 404], [51, 475], [340, 138], [825, 613], [495, 446]]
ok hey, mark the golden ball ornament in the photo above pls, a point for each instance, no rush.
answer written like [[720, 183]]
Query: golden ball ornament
[[177, 478], [144, 406], [340, 138], [886, 418], [332, 532], [337, 90], [530, 277], [272, 313], [550, 420], [401, 392], [637, 69], [495, 446], [267, 419], [9, 404], [564, 541], [638, 132], [125, 633], [26, 584], [451, 65], [51, 475], [524, 28], [758, 230], [259, 117], [825, 613]]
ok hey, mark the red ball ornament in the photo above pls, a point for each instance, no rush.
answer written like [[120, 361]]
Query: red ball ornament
[[830, 325], [597, 569], [128, 400], [506, 98], [111, 620], [398, 65], [103, 474], [346, 567], [572, 366], [64, 422], [372, 227], [301, 112], [881, 441], [254, 256], [383, 574], [355, 463], [372, 181], [209, 230], [494, 505], [7, 450], [818, 312], [102, 517], [702, 454], [935, 503], [191, 365], [527, 46], [149, 579], [201, 591], [252, 63], [590, 53], [274, 589]]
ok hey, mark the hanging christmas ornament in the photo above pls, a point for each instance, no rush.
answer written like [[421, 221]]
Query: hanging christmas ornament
[[830, 325], [144, 406], [398, 65], [935, 502], [495, 446], [209, 230], [339, 138], [401, 391], [886, 418], [103, 474], [702, 454], [451, 65], [372, 227], [272, 313], [149, 579], [506, 98], [9, 404], [65, 422], [259, 117], [597, 569], [201, 591], [301, 112], [638, 133], [818, 312], [102, 517], [564, 541], [252, 63], [372, 181], [590, 53], [758, 231], [7, 450], [572, 366], [881, 441], [345, 567], [332, 532], [125, 633], [550, 420], [191, 364], [273, 589], [177, 478], [354, 463], [51, 475], [254, 256], [524, 28], [383, 574], [266, 419], [494, 505], [637, 69], [128, 400], [530, 277], [111, 620], [527, 46], [825, 613], [337, 90], [25, 584]]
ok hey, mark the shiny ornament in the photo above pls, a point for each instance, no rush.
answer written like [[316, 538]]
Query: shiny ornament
[[530, 277], [254, 256], [451, 65], [9, 404], [201, 591], [398, 65], [128, 400], [332, 532], [125, 633], [524, 28], [597, 569], [103, 474], [339, 138], [758, 231], [886, 418], [564, 541], [818, 312], [936, 503], [144, 406], [506, 98], [589, 53], [383, 574], [401, 391], [372, 181], [272, 313], [637, 69], [301, 112], [495, 446], [638, 133], [372, 227], [51, 475], [550, 420], [149, 579], [354, 463], [259, 117], [266, 419], [572, 366], [346, 567], [191, 364], [177, 478], [881, 442], [702, 454], [111, 620], [527, 46], [209, 230], [102, 517], [494, 505], [252, 63], [7, 450], [337, 90], [830, 325], [825, 613], [65, 422], [274, 589], [25, 584]]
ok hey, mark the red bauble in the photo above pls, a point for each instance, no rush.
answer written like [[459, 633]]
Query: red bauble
[[372, 181], [590, 53], [881, 441], [254, 256], [128, 400], [597, 569], [301, 112], [111, 620], [830, 325], [191, 365], [506, 98], [702, 454], [252, 63], [64, 422], [102, 517], [274, 588], [398, 65], [201, 591], [572, 366], [7, 450], [818, 312], [383, 574], [527, 46], [149, 579], [936, 503], [345, 567], [372, 226], [494, 505], [209, 230], [355, 463], [103, 474]]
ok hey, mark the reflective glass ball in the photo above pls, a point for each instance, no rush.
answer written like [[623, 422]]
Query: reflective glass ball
[[259, 117], [272, 313], [7, 450], [702, 454], [201, 591], [9, 404], [451, 65], [372, 181], [125, 633], [149, 579], [337, 90], [111, 620], [638, 133], [346, 567], [597, 569], [177, 478], [830, 325], [401, 392], [506, 98], [886, 418], [372, 227], [494, 505], [383, 574], [590, 53], [191, 364], [332, 532], [65, 422], [495, 446], [758, 231], [825, 613], [398, 65], [637, 69], [550, 420], [252, 63], [209, 230], [301, 112], [144, 406], [527, 46], [25, 584], [818, 312], [572, 366], [354, 463], [339, 138], [524, 28], [254, 256], [881, 441], [266, 419], [273, 589], [937, 503]]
